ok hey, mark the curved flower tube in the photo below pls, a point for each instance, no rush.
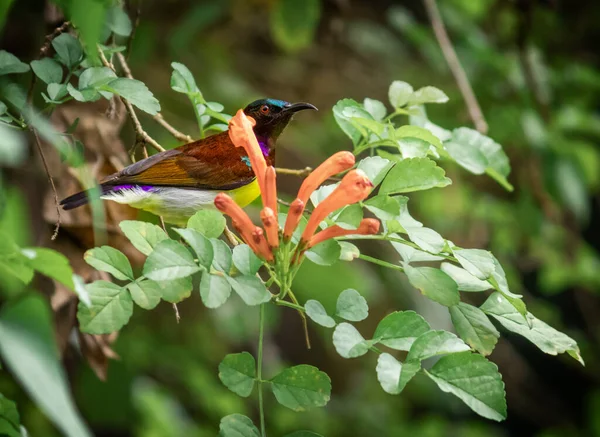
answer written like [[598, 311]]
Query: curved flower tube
[[354, 187], [367, 226]]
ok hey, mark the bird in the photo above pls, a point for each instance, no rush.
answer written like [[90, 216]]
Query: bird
[[176, 183]]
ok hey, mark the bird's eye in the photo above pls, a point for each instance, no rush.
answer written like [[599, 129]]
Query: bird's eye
[[264, 109]]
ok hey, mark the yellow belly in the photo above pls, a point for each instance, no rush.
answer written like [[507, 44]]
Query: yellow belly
[[245, 195]]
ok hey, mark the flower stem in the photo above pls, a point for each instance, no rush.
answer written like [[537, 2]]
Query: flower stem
[[261, 332], [380, 262]]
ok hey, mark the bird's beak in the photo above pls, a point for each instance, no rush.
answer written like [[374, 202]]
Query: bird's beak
[[299, 107]]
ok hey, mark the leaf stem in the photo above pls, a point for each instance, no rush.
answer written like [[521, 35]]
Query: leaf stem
[[261, 333], [380, 262]]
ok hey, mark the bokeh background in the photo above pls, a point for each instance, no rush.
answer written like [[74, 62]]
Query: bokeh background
[[533, 65]]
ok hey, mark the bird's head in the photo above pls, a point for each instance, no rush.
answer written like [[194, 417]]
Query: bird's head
[[272, 115]]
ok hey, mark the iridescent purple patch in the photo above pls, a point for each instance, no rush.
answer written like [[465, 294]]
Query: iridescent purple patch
[[131, 187]]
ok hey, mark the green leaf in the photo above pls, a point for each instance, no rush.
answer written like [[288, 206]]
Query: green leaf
[[110, 310], [10, 64], [245, 260], [169, 260], [408, 131], [50, 263], [176, 290], [413, 147], [136, 92], [56, 91], [199, 244], [474, 327], [427, 94], [499, 305], [182, 80], [237, 425], [214, 290], [349, 217], [317, 313], [88, 16], [351, 306], [427, 239], [302, 387], [29, 349], [434, 284], [413, 175], [349, 251], [294, 23], [143, 236], [375, 108], [250, 288], [146, 294], [467, 147], [237, 373], [10, 422], [222, 256], [479, 263], [400, 329], [326, 253], [47, 70], [545, 337], [68, 49], [347, 126], [208, 222], [118, 21], [433, 343], [12, 260], [399, 93], [13, 148], [383, 207], [108, 259], [375, 167], [464, 280], [498, 280], [85, 95], [394, 375], [348, 342], [94, 78], [474, 380]]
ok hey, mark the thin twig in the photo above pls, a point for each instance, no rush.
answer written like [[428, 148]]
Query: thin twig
[[49, 38], [304, 172], [455, 66], [230, 236], [158, 117], [136, 23], [51, 180], [140, 132]]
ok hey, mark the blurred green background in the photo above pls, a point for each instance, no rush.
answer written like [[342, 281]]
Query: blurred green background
[[533, 65]]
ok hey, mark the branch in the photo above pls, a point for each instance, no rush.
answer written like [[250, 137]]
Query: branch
[[158, 117], [49, 38], [455, 67], [140, 132], [51, 180], [295, 172]]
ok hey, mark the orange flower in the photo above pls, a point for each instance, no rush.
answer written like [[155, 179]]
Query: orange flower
[[269, 220], [262, 248], [367, 226], [333, 165], [242, 135], [293, 218], [354, 187]]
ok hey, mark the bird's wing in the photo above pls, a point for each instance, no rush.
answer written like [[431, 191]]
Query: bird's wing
[[213, 164]]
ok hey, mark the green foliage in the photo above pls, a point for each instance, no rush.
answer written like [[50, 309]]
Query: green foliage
[[143, 236], [169, 260], [208, 222], [10, 422], [29, 350], [237, 425], [301, 387], [293, 24], [414, 174], [434, 284], [111, 260], [474, 327], [10, 64], [238, 372], [111, 308], [352, 306], [474, 380]]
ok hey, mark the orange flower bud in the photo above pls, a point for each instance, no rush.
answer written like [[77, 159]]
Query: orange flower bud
[[333, 165], [269, 220], [242, 135], [367, 226], [239, 218], [293, 218], [269, 195], [354, 187], [262, 248]]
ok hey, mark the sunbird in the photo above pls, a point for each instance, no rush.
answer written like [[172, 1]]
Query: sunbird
[[176, 183]]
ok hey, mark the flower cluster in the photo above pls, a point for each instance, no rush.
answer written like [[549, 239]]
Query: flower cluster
[[354, 187]]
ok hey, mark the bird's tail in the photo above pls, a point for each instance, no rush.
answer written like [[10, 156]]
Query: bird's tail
[[84, 197]]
